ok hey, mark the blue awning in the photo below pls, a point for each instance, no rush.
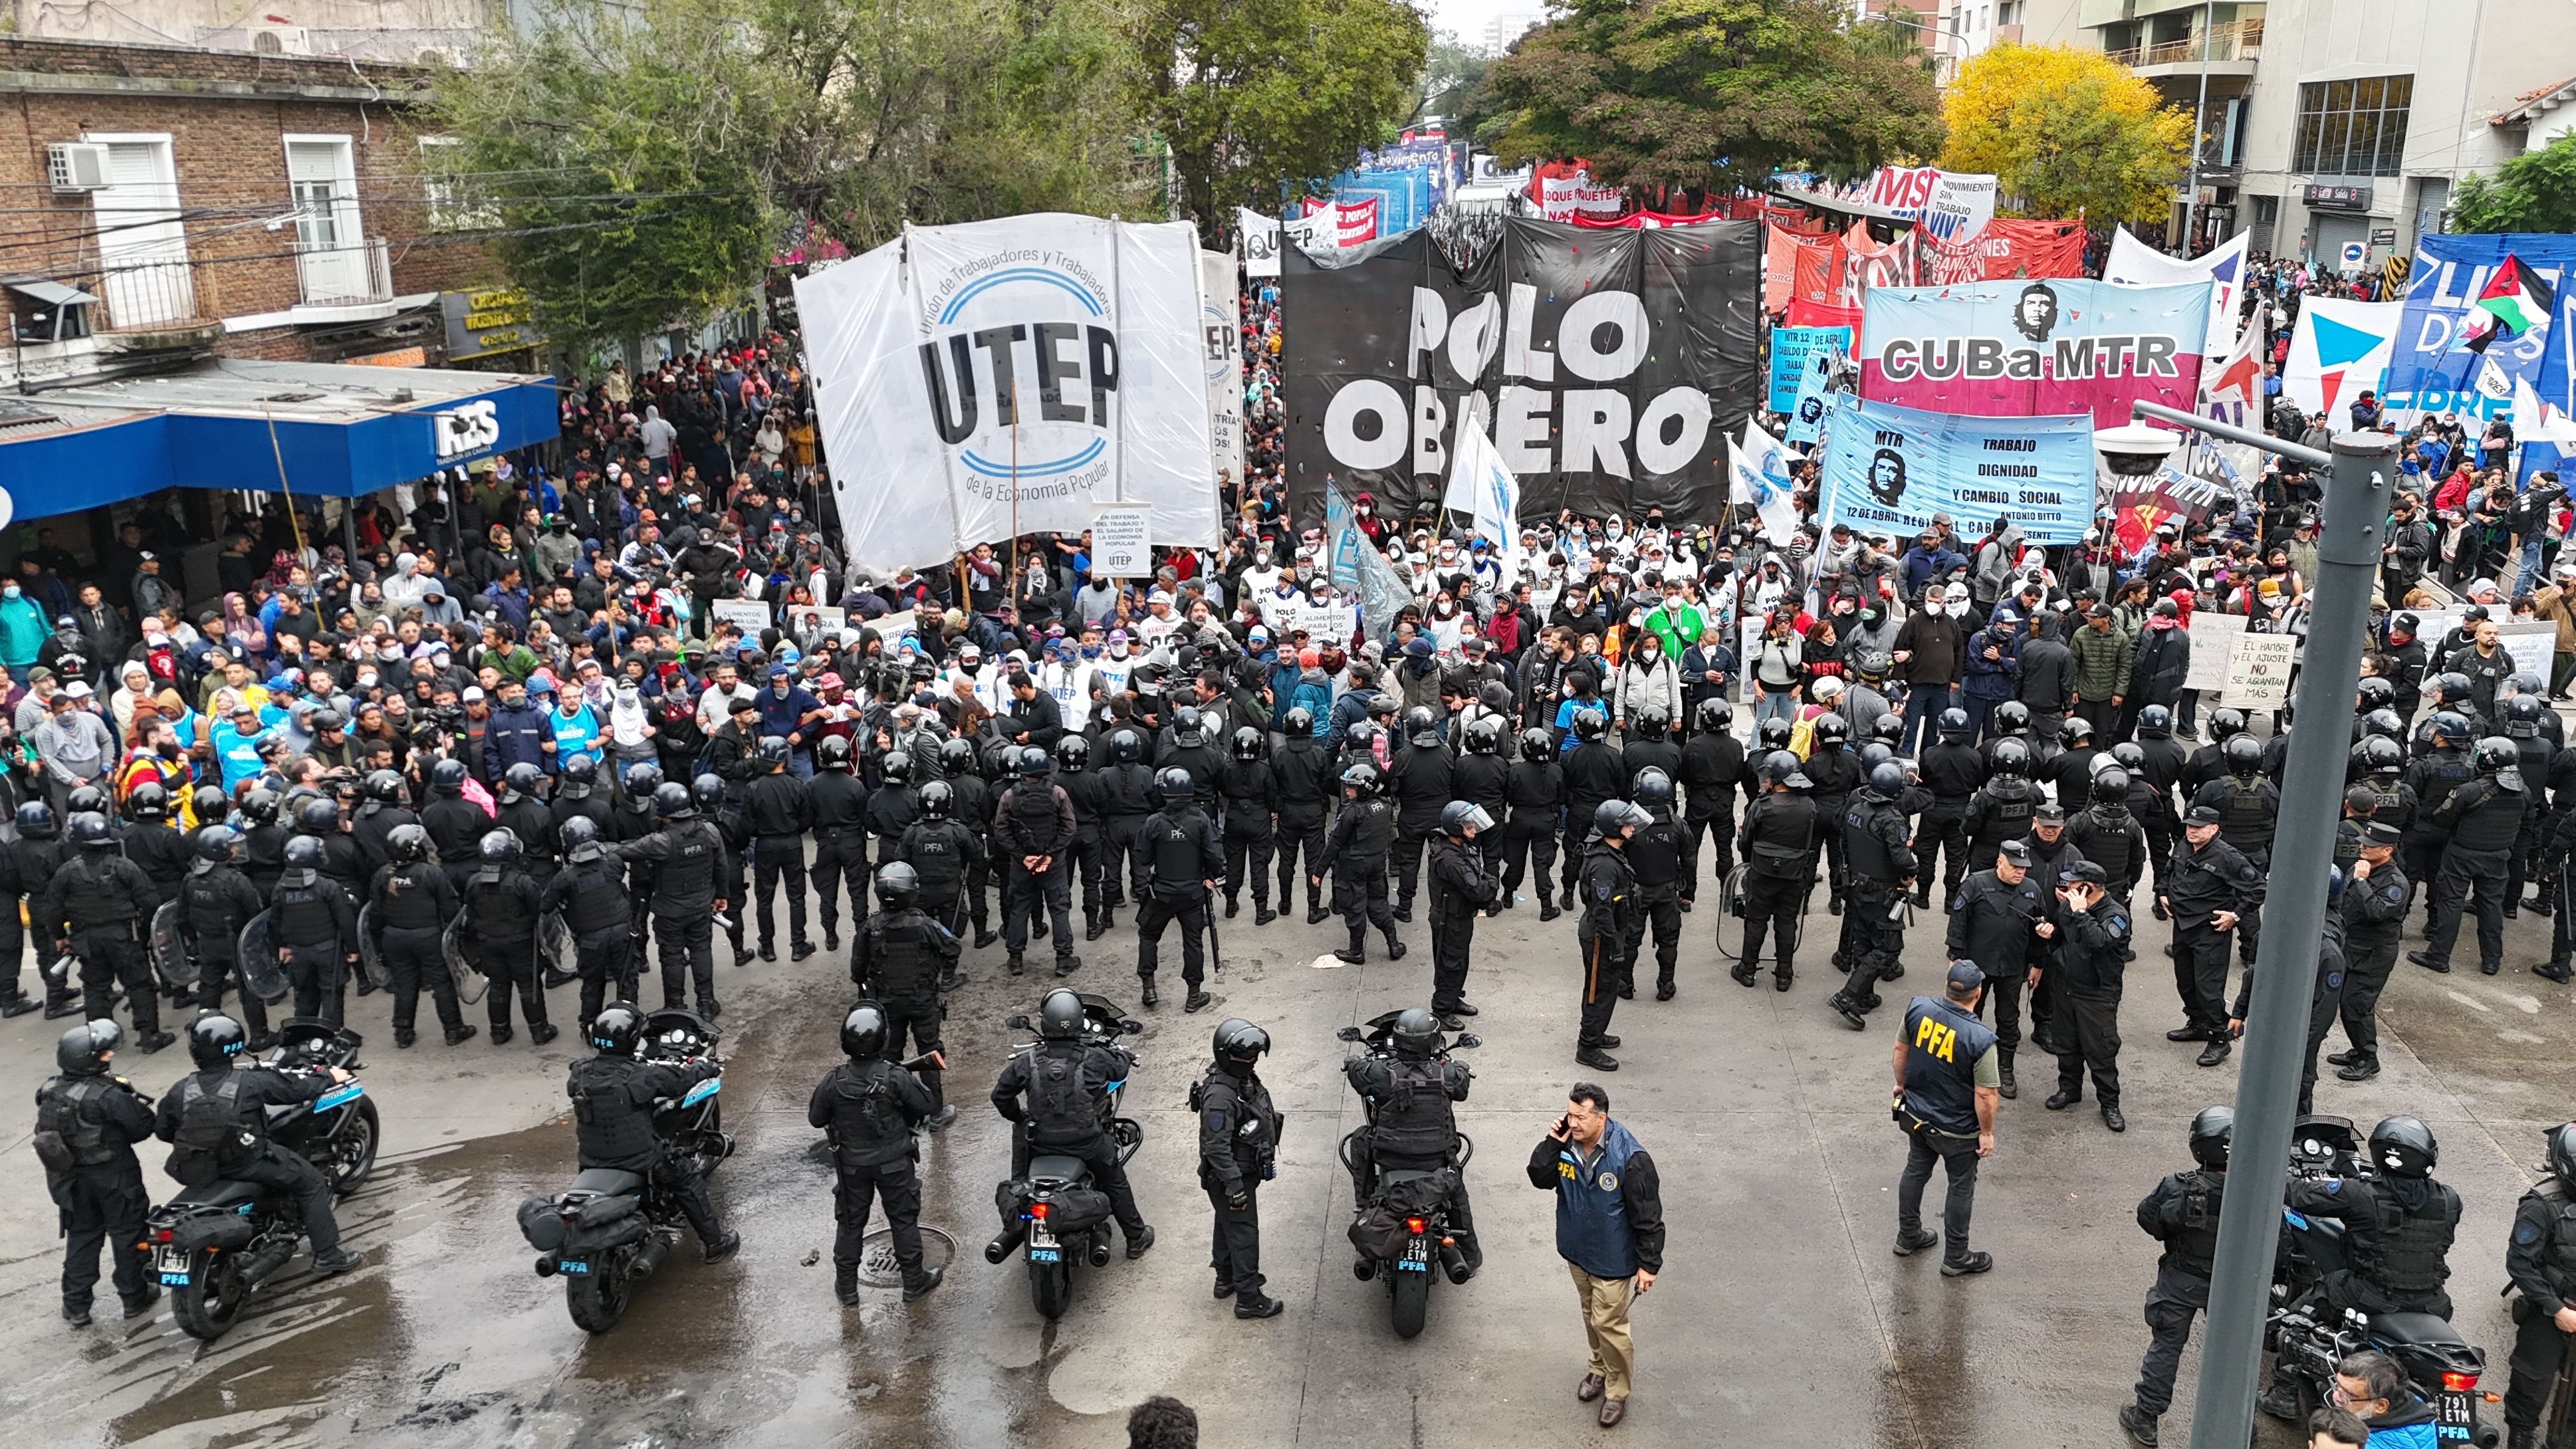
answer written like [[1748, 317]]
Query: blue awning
[[311, 429]]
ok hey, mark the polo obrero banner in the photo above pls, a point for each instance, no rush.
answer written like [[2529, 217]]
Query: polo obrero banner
[[1003, 377], [2034, 348]]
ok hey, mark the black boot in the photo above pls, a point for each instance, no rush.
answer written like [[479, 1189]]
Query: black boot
[[845, 1283], [2004, 1063], [1151, 997]]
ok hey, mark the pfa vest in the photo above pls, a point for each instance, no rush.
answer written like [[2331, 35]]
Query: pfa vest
[[1942, 1044]]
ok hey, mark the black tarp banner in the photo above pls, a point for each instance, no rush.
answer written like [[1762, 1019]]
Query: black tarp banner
[[1609, 366]]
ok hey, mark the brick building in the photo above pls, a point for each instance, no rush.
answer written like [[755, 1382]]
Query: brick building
[[233, 204]]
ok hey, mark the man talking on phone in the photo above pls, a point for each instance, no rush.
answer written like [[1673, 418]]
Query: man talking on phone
[[1609, 1230]]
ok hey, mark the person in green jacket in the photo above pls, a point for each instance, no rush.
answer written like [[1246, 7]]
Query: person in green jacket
[[2102, 658], [1677, 621], [23, 630]]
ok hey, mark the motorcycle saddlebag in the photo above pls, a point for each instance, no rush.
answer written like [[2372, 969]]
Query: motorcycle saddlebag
[[1078, 1209], [1421, 1194], [225, 1230], [541, 1223], [1378, 1232], [582, 1241], [1011, 1199], [599, 1212]]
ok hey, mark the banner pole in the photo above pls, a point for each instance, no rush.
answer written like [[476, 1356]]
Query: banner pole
[[1015, 489]]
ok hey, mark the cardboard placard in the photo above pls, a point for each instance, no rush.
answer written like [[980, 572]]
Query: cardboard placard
[[2258, 671], [2532, 645], [1119, 544], [749, 615], [2213, 644]]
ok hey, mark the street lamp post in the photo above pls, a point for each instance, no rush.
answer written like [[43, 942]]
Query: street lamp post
[[2199, 121], [2267, 1085]]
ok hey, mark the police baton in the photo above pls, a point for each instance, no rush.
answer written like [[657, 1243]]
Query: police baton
[[1216, 946]]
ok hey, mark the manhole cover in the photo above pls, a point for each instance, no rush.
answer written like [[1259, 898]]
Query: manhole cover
[[877, 1266]]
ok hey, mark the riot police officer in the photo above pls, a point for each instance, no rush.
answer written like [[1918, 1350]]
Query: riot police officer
[[315, 927], [32, 859], [840, 802], [1301, 775], [973, 802], [380, 813], [1834, 772], [2325, 991], [1189, 858], [523, 812], [1088, 793], [1658, 856], [1999, 919], [2181, 1213], [1593, 776], [613, 1093], [2482, 819], [686, 856], [777, 812], [2248, 805], [2541, 1261], [589, 894], [87, 1123], [1879, 853], [2004, 806], [1712, 764], [1419, 778], [1251, 794], [1534, 791], [941, 850], [2374, 919], [1953, 771], [1782, 832], [869, 1108], [1066, 1082], [1238, 1151], [216, 1117], [1609, 893], [2092, 930], [264, 840], [94, 909], [409, 904], [1412, 1124], [1355, 856], [215, 903], [151, 842], [578, 797], [1033, 834], [2206, 888], [2105, 833], [1129, 785], [2443, 768], [1462, 885], [900, 956], [502, 912], [1947, 1078]]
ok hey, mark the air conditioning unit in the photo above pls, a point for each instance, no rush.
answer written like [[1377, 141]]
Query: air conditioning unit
[[74, 166], [281, 40]]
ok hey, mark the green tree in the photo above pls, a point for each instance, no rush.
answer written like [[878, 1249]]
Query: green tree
[[2066, 131], [2535, 191], [1450, 78], [1711, 93], [644, 156], [1277, 90]]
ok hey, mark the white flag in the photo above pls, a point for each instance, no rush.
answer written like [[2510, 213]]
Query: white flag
[[1476, 472], [2535, 421], [1761, 472]]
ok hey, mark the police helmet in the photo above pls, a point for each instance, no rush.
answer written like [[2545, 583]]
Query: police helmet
[[1060, 1014], [832, 752], [1955, 724], [2526, 682], [580, 837], [1778, 766], [2562, 1153], [407, 843], [1714, 715], [1485, 736], [447, 777], [671, 801], [1537, 746], [2129, 756], [2011, 757], [2449, 727], [1174, 784], [938, 798], [2011, 717], [1589, 724], [214, 1039], [2111, 786], [1651, 720], [521, 782], [82, 1051], [210, 803], [2242, 753], [259, 806], [1126, 747], [2375, 692], [1888, 729], [1612, 816], [642, 780], [1362, 738], [2384, 723], [618, 1030], [148, 801], [321, 816], [709, 791], [90, 831], [2496, 755], [1031, 762], [1652, 786], [1416, 1032], [2521, 719], [581, 771], [2226, 724], [1239, 1044], [1421, 727], [1888, 779], [385, 787], [898, 885], [772, 750], [2378, 755], [2404, 1147], [1831, 729], [2155, 722], [220, 844], [1774, 734], [1873, 755], [1361, 776], [863, 1031], [1298, 723], [2075, 732], [1189, 728], [87, 799], [1247, 743], [896, 767], [36, 820], [2209, 1133], [497, 847], [1460, 816]]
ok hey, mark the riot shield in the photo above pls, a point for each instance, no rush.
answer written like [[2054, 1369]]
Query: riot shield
[[470, 983], [255, 956], [555, 952], [370, 959], [169, 955]]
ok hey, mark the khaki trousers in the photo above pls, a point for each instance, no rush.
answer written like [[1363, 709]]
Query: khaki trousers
[[1605, 1323]]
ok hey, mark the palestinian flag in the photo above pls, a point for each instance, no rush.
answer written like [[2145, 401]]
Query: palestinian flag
[[2514, 302]]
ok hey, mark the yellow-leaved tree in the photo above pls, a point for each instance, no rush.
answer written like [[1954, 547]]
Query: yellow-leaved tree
[[2064, 131]]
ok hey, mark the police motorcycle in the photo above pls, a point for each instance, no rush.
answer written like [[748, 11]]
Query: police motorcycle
[[611, 1229], [1400, 1222], [214, 1244], [2310, 1336], [1061, 1215]]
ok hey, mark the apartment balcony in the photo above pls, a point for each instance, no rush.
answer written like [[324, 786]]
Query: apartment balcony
[[345, 284], [2230, 52], [151, 306]]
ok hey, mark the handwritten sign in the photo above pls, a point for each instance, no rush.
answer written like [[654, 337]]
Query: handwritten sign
[[2213, 644], [2531, 645], [2258, 671], [749, 615]]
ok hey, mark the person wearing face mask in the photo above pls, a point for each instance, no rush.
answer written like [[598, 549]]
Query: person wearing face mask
[[23, 630], [1930, 656], [1650, 685]]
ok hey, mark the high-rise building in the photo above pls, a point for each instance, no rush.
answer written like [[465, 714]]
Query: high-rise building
[[1502, 30]]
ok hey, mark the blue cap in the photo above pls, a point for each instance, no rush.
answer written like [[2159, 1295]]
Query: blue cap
[[1966, 975]]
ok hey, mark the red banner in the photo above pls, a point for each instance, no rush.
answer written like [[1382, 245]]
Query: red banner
[[2007, 249]]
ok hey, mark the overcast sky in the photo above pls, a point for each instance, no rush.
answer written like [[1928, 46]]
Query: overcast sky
[[1468, 18]]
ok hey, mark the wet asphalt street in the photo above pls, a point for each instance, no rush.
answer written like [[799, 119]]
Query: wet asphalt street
[[1781, 1312]]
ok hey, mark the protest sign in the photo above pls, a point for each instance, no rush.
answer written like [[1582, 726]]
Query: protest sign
[[1790, 348], [2258, 671], [2213, 644], [1888, 469], [1119, 547], [749, 615], [2532, 645]]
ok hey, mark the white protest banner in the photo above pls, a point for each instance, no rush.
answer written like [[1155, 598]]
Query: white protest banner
[[1952, 206], [1002, 377], [2133, 263], [891, 627], [749, 615], [1322, 622], [1261, 242], [2338, 351], [1119, 546], [2213, 644], [830, 618], [2532, 646], [2258, 671], [1221, 330], [1563, 197]]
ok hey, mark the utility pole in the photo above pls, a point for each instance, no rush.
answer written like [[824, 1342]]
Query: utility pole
[[2199, 121]]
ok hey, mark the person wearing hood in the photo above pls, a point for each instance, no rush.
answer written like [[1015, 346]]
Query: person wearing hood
[[1650, 679], [657, 435]]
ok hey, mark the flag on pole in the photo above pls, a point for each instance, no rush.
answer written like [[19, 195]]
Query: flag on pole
[[2238, 380], [1479, 481], [2535, 421], [1761, 470], [2514, 302]]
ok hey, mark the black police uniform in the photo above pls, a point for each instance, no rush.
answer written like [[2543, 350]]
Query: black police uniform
[[100, 901], [2000, 810], [1534, 791], [941, 853], [2196, 884], [1878, 850], [1608, 892], [1299, 773], [1187, 853], [2093, 948], [1035, 817], [686, 856], [408, 907], [1413, 1127], [264, 851], [31, 867], [898, 958], [215, 902], [2181, 1213], [502, 911], [2483, 818], [1782, 832], [1238, 1150], [1089, 794], [777, 812], [2325, 993], [528, 818], [97, 1184], [1251, 794], [1592, 775], [612, 1112], [1834, 772], [2432, 778], [2374, 920], [163, 854], [1066, 1083], [840, 801], [2248, 807], [1129, 786], [2397, 1240], [456, 828], [1995, 925], [1712, 765], [973, 802], [375, 825], [1462, 884], [1937, 1107], [1657, 856], [1420, 778], [1354, 855], [2111, 837], [868, 1109], [2534, 757], [315, 927], [245, 1093], [1953, 771], [2540, 1258], [590, 896]]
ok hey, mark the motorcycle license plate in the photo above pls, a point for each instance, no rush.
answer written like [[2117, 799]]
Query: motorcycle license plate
[[173, 1267], [1416, 1259], [574, 1267], [2457, 1417], [1045, 1255]]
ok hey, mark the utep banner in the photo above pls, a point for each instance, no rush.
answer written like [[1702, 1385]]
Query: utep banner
[[1949, 206], [1889, 469], [1790, 347], [1007, 376], [1603, 364], [2431, 369], [2034, 349]]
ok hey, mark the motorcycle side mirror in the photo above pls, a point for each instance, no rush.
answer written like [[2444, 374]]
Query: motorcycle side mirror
[[1017, 1022], [1131, 1027], [1466, 1039], [1348, 1033]]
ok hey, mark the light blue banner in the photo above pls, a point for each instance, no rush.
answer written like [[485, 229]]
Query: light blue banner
[[1790, 347], [1888, 469]]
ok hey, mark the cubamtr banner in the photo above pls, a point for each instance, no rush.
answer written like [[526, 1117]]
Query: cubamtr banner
[[2034, 348], [1607, 366], [1003, 377], [1888, 469]]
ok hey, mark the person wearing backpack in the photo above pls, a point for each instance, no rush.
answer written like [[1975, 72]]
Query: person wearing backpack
[[96, 909], [216, 1122], [1065, 1079], [87, 1123], [870, 1107]]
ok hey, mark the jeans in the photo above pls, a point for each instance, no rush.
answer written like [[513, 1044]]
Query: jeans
[[1959, 1156], [1775, 705], [1923, 706]]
